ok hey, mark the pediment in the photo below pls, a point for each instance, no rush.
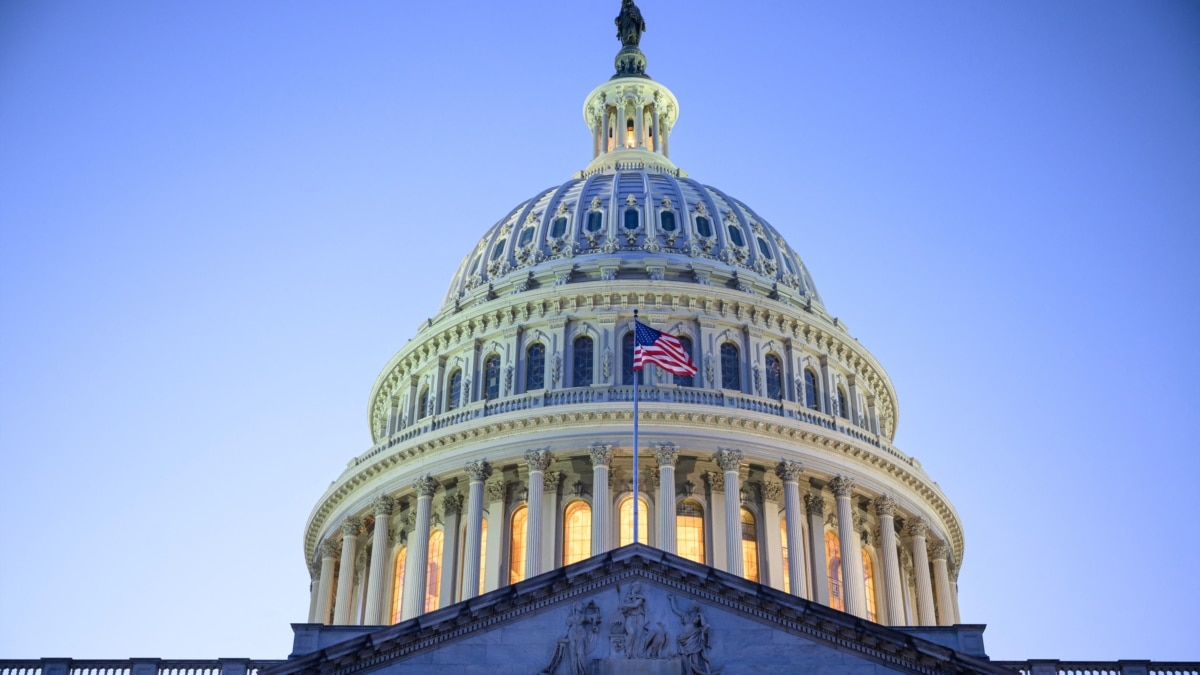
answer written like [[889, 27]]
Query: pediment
[[632, 610]]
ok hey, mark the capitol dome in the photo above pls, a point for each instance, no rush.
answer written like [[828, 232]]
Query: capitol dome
[[503, 443]]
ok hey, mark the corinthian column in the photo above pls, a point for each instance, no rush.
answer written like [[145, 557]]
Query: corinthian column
[[378, 577], [345, 591], [885, 508], [814, 506], [666, 455], [329, 558], [789, 472], [418, 550], [917, 528], [852, 582], [938, 553], [478, 472], [601, 457], [539, 461], [730, 461]]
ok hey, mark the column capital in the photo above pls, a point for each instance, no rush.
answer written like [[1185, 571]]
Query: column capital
[[452, 505], [351, 526], [426, 485], [495, 491], [715, 480], [917, 527], [771, 491], [601, 454], [331, 549], [551, 481], [539, 459], [938, 550], [383, 505], [885, 506], [814, 505], [666, 454], [789, 471], [728, 459], [841, 486], [479, 470]]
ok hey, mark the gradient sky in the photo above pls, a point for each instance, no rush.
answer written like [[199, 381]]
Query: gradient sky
[[220, 219]]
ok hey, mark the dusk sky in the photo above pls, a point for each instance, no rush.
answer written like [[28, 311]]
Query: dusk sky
[[220, 219]]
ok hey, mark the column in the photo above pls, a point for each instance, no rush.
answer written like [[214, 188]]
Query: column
[[814, 506], [730, 461], [789, 472], [551, 520], [852, 392], [938, 553], [343, 606], [917, 528], [607, 121], [538, 461], [666, 455], [852, 583], [772, 560], [954, 591], [666, 137], [639, 124], [498, 526], [601, 502], [885, 508], [657, 132], [478, 472], [314, 589], [378, 577], [329, 558], [452, 506], [418, 550]]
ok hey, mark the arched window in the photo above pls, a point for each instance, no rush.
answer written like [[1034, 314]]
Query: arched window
[[731, 367], [627, 371], [491, 377], [810, 390], [833, 562], [774, 377], [398, 584], [516, 545], [581, 362], [787, 575], [433, 571], [843, 405], [689, 531], [749, 546], [455, 390], [535, 367], [482, 554], [626, 515], [869, 585], [686, 380], [577, 532], [423, 404]]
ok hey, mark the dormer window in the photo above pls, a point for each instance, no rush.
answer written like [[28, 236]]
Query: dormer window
[[735, 235]]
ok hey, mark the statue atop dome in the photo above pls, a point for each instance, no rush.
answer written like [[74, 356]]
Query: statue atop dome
[[630, 24]]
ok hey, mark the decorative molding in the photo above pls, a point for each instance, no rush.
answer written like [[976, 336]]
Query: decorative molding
[[539, 459], [426, 485], [841, 486], [551, 480], [728, 459], [917, 527], [666, 454], [331, 548], [789, 471], [938, 550], [601, 454], [772, 491], [715, 481], [452, 504], [351, 526], [383, 505], [495, 491], [478, 471], [885, 506], [814, 505]]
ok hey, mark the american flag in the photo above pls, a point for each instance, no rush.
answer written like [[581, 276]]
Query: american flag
[[651, 346]]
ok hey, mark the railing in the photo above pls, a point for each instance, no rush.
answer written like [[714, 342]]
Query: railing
[[624, 394], [1052, 667], [134, 666]]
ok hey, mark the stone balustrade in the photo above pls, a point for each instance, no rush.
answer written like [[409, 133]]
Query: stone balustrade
[[1056, 667], [147, 666]]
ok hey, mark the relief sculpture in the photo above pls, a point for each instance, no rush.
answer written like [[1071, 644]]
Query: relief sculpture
[[693, 639]]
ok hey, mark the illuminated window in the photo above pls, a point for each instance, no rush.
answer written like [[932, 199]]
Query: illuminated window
[[843, 408], [626, 514], [689, 531], [558, 227], [833, 562], [577, 533], [433, 571], [535, 367], [491, 377], [516, 545], [455, 391], [582, 362], [749, 546], [810, 389], [731, 367], [774, 377], [703, 226], [398, 584], [686, 380], [787, 575], [627, 371], [629, 139], [423, 404], [482, 554], [869, 585]]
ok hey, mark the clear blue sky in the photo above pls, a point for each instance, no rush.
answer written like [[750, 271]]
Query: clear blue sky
[[220, 219]]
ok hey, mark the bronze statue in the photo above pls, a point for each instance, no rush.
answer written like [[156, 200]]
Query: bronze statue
[[630, 25]]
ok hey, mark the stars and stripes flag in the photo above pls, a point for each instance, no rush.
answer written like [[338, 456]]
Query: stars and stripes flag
[[652, 346]]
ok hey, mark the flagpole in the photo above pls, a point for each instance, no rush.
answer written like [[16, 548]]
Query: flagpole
[[636, 502]]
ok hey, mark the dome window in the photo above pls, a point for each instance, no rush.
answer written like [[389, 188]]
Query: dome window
[[630, 141], [735, 235], [595, 221], [765, 249], [627, 371], [810, 390], [558, 227], [666, 221], [527, 236], [499, 250], [491, 377], [455, 393], [686, 380], [535, 367], [631, 219], [703, 226], [731, 367], [774, 377], [787, 262], [582, 362]]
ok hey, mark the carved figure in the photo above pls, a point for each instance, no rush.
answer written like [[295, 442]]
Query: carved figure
[[630, 24], [693, 639], [633, 608], [582, 627]]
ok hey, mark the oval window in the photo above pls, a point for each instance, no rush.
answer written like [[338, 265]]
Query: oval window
[[558, 227], [703, 226], [595, 221], [631, 219], [735, 236], [764, 248], [499, 250], [667, 221], [527, 236]]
